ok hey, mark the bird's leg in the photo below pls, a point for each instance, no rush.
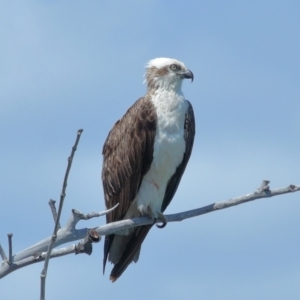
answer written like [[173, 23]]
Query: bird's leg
[[162, 218], [151, 215]]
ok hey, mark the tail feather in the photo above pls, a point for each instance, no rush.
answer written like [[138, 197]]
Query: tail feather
[[107, 244], [130, 253]]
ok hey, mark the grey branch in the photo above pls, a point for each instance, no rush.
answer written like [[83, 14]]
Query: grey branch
[[54, 211], [85, 246], [36, 253], [10, 235], [2, 253], [77, 216], [57, 225]]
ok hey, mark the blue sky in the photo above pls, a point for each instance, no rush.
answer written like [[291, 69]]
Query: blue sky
[[74, 64]]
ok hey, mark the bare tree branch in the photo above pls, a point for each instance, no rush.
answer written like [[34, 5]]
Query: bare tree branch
[[36, 253], [85, 246], [264, 186], [44, 250], [2, 254], [10, 235], [54, 212], [77, 216], [266, 193], [57, 225]]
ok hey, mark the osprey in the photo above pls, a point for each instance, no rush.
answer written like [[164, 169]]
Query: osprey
[[144, 157]]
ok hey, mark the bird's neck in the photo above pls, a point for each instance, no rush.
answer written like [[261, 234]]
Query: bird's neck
[[168, 99], [166, 85]]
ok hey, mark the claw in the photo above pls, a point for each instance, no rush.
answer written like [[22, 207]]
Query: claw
[[160, 217], [161, 226], [163, 219]]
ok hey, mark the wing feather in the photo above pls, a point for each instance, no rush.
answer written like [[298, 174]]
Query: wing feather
[[127, 156]]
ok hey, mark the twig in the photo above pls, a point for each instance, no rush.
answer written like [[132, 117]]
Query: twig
[[54, 212], [9, 248], [77, 216], [61, 202], [264, 186], [82, 216], [2, 254], [85, 246]]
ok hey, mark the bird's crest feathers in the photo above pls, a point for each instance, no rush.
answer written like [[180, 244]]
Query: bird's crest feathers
[[162, 62]]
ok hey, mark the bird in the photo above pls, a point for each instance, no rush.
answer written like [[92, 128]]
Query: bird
[[144, 157]]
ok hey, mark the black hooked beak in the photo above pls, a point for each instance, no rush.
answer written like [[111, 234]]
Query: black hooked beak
[[188, 74]]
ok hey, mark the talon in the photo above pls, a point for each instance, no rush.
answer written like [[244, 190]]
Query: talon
[[161, 226], [163, 219]]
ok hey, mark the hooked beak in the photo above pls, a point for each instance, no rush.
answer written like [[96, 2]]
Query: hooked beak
[[188, 74]]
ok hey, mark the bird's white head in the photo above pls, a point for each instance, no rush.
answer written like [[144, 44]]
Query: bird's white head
[[166, 73]]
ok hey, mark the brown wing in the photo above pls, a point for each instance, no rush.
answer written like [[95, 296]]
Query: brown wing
[[127, 156], [189, 134]]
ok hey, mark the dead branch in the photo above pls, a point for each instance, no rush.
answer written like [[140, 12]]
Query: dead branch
[[44, 250], [36, 253], [57, 217]]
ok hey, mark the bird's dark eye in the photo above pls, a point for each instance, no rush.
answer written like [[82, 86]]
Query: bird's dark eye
[[174, 67]]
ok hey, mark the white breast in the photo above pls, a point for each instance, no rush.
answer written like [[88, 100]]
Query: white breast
[[169, 147]]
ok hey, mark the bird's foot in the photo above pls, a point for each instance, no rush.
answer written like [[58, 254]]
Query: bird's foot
[[151, 215], [162, 218], [158, 216]]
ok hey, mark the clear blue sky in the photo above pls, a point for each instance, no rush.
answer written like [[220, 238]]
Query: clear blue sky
[[66, 65]]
